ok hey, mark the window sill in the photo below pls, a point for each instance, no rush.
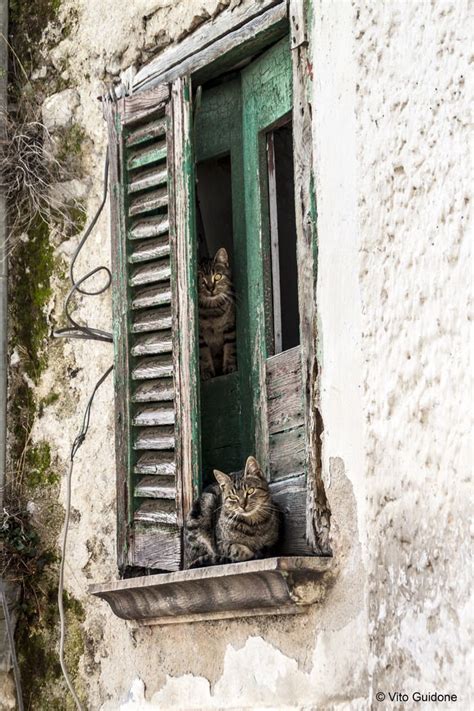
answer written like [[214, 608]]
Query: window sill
[[286, 585]]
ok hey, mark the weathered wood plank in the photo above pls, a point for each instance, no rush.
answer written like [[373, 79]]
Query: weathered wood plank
[[150, 273], [153, 343], [121, 349], [154, 320], [138, 108], [150, 178], [156, 548], [152, 296], [151, 130], [156, 463], [158, 511], [284, 391], [155, 415], [153, 487], [290, 496], [150, 249], [148, 202], [154, 391], [298, 34], [151, 368], [287, 453], [149, 227], [172, 61], [185, 309], [269, 584], [146, 156], [155, 438], [318, 511]]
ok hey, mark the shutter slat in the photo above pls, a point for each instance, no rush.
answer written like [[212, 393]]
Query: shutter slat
[[152, 487], [150, 178], [156, 463], [154, 296], [155, 438], [146, 156], [150, 368], [154, 391], [151, 249], [149, 227], [157, 511], [154, 320], [153, 344], [152, 129], [148, 202], [156, 415], [158, 271]]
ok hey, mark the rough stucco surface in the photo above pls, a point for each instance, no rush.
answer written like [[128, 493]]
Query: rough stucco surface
[[414, 210], [390, 114]]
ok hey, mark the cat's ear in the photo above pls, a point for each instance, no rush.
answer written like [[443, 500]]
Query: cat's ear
[[222, 257], [252, 468], [222, 479]]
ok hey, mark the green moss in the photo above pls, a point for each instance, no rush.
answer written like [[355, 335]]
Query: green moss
[[39, 471], [27, 21], [69, 146], [32, 269], [38, 638], [47, 401]]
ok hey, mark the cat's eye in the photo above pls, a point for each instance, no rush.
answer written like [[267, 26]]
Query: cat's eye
[[218, 277], [251, 491]]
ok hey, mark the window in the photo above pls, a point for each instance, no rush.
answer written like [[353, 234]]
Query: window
[[206, 159]]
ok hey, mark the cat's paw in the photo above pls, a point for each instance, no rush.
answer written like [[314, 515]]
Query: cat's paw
[[230, 368], [206, 375], [239, 553]]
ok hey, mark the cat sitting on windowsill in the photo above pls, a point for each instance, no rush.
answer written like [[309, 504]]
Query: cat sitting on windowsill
[[233, 520]]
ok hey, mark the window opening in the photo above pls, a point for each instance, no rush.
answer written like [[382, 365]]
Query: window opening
[[214, 207], [281, 205]]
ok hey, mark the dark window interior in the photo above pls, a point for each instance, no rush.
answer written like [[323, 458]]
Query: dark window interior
[[214, 206], [220, 396], [283, 237]]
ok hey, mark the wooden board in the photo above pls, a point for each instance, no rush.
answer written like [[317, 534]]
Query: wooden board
[[205, 44], [290, 495], [318, 511], [158, 548], [220, 425], [269, 584]]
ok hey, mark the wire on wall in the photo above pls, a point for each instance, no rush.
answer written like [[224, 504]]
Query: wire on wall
[[80, 331], [75, 329]]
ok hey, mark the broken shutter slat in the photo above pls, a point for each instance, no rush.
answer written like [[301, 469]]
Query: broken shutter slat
[[146, 338]]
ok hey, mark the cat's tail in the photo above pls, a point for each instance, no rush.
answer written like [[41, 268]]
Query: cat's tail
[[205, 560]]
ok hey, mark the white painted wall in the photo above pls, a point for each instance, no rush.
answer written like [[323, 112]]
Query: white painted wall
[[390, 112]]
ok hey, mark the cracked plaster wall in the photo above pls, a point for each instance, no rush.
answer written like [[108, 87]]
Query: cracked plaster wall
[[391, 165]]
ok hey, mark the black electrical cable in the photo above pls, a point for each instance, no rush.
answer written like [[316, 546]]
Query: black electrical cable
[[75, 329]]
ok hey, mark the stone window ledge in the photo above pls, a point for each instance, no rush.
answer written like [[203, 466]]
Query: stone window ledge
[[284, 585]]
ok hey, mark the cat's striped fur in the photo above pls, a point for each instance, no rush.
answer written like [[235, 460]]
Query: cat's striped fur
[[217, 351], [233, 520]]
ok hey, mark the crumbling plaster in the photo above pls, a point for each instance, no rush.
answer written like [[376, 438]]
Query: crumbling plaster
[[389, 125]]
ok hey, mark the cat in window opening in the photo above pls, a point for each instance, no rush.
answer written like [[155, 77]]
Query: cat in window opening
[[216, 298], [233, 520]]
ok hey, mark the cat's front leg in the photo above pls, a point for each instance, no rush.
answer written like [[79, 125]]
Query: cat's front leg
[[238, 552], [229, 357], [206, 363]]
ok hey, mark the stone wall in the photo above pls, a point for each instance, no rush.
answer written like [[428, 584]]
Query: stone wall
[[391, 161]]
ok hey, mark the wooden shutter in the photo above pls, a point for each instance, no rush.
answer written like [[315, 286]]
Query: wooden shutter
[[150, 381]]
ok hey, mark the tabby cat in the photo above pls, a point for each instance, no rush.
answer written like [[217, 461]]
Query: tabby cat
[[217, 354], [233, 520]]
